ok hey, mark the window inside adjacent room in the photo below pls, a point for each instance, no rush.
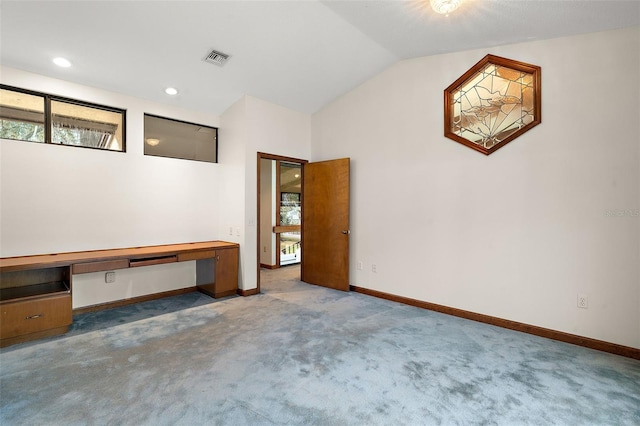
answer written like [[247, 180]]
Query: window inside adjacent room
[[167, 137]]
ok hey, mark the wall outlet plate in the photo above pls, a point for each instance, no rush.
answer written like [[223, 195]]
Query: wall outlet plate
[[110, 277], [583, 301]]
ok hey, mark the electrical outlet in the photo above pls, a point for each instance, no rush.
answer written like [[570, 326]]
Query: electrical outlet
[[360, 266], [264, 249], [231, 230], [238, 232], [374, 268], [110, 277], [583, 301]]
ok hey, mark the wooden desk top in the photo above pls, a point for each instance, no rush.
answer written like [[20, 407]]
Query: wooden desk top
[[65, 259]]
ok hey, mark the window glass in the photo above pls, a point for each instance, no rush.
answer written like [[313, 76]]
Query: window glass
[[38, 117], [82, 125], [21, 116], [165, 137], [289, 208]]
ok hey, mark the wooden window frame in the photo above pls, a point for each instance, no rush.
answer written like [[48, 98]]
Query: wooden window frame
[[535, 86]]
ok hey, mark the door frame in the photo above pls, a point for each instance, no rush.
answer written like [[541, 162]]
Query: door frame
[[266, 156]]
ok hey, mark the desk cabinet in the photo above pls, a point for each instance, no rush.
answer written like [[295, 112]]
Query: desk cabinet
[[217, 276], [45, 314], [34, 304]]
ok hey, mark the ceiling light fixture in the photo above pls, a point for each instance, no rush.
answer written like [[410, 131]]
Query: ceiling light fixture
[[62, 62], [171, 91], [152, 141], [445, 7]]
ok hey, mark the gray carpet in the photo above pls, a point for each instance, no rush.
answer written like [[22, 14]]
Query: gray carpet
[[301, 354]]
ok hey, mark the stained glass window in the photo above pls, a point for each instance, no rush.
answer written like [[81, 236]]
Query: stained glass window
[[494, 102]]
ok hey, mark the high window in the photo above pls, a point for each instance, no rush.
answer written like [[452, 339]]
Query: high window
[[167, 137], [38, 117]]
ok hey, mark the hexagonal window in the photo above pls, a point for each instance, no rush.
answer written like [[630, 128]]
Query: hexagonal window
[[493, 103]]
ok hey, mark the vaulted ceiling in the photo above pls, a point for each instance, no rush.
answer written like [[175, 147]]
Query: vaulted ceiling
[[300, 54]]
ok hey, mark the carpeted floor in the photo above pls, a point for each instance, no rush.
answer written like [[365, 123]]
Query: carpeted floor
[[299, 354]]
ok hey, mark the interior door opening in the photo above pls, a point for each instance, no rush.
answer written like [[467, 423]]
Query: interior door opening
[[279, 211], [289, 215], [303, 217]]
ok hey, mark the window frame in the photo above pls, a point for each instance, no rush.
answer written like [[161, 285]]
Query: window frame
[[191, 123], [48, 98]]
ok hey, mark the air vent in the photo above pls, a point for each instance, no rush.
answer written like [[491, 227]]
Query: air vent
[[217, 58]]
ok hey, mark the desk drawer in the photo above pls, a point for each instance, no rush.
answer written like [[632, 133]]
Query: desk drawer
[[197, 255], [105, 265], [148, 261], [30, 316]]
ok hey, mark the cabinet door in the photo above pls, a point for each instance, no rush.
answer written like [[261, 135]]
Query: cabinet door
[[226, 272]]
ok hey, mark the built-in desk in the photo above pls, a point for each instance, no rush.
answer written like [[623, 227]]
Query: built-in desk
[[35, 291]]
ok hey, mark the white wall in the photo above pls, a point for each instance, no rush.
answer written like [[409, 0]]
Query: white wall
[[259, 126], [231, 155], [275, 130], [91, 289], [267, 211], [58, 199], [517, 234]]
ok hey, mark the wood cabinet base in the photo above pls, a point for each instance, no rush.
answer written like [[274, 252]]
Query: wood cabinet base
[[210, 291], [29, 319], [33, 336]]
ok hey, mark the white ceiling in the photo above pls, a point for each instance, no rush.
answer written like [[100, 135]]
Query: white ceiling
[[300, 54]]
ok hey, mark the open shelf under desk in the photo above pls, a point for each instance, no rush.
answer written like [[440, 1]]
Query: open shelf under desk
[[33, 291]]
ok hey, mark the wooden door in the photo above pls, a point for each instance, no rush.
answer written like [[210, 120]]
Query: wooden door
[[325, 224]]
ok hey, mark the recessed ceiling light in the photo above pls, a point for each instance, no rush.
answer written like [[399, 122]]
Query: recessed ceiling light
[[62, 62], [171, 91]]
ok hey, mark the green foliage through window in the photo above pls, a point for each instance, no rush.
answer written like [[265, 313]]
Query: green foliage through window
[[24, 116], [290, 211], [21, 131]]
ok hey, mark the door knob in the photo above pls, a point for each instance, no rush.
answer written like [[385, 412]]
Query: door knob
[[347, 232]]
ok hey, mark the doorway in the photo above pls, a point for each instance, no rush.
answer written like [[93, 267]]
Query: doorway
[[279, 215], [322, 203], [288, 213]]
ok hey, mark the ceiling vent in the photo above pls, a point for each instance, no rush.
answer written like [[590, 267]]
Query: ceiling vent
[[217, 58]]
